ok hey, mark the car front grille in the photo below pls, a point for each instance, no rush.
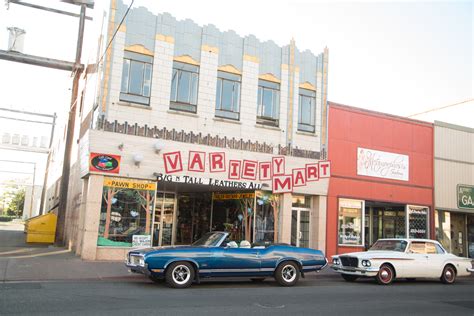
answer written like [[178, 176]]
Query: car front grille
[[349, 261]]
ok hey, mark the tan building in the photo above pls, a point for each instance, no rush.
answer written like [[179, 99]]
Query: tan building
[[454, 187]]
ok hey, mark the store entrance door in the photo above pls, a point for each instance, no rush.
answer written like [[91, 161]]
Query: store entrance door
[[163, 234], [458, 234], [300, 227]]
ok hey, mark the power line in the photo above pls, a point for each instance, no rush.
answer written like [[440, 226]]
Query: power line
[[116, 31], [441, 107]]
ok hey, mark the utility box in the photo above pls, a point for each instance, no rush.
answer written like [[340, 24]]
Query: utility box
[[41, 229], [16, 39]]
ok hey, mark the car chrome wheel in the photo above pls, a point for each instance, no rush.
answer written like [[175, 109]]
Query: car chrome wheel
[[449, 275], [288, 273], [385, 275], [181, 274]]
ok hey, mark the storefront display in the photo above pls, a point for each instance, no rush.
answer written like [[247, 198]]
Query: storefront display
[[350, 222], [126, 211]]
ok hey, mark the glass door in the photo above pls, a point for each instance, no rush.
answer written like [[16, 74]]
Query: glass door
[[164, 218], [300, 227]]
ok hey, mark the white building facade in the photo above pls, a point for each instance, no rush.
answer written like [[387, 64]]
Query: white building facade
[[185, 129]]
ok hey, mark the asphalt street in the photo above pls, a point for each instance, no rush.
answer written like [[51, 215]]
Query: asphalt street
[[315, 295]]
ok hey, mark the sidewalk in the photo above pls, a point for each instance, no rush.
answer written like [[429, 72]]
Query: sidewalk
[[29, 262]]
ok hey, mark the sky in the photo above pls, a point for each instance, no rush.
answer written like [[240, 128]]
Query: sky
[[401, 57]]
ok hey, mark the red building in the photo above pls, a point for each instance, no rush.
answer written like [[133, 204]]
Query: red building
[[381, 182]]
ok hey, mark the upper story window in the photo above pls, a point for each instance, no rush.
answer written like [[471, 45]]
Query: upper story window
[[268, 109], [136, 78], [184, 87], [307, 111], [228, 95]]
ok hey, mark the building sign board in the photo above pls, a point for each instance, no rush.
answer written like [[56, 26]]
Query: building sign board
[[381, 164], [129, 184], [232, 196], [465, 195], [104, 163], [240, 174]]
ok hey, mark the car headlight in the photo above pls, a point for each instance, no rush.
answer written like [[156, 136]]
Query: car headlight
[[366, 263], [335, 261]]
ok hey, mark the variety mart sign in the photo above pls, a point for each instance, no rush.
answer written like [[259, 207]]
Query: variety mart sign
[[235, 170]]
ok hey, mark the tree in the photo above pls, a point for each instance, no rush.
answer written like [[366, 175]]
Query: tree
[[14, 200]]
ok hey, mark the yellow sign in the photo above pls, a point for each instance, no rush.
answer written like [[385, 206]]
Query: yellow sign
[[129, 184], [232, 196]]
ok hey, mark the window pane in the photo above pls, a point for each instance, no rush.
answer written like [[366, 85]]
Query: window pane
[[276, 104], [174, 85], [267, 102], [236, 102], [136, 78], [194, 89], [184, 80], [147, 80], [259, 102], [125, 75], [218, 93], [227, 93], [350, 222]]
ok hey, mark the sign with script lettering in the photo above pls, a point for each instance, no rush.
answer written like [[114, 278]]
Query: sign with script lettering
[[381, 164]]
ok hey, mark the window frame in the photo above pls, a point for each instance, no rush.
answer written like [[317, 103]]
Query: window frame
[[147, 63], [302, 126], [274, 88], [235, 79], [175, 104]]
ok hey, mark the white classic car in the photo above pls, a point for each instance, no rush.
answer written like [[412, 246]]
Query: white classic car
[[390, 259]]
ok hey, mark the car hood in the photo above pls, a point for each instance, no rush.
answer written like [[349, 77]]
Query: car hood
[[374, 254], [144, 251]]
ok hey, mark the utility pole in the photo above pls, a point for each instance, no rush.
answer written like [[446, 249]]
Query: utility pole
[[77, 69]]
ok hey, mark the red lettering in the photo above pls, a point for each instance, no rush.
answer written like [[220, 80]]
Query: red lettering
[[282, 184], [234, 169], [324, 169], [299, 177], [249, 170], [173, 162], [265, 173], [278, 165], [196, 161], [217, 162], [312, 172]]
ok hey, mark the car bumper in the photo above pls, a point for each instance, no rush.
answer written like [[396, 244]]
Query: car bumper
[[369, 272], [470, 270], [138, 269]]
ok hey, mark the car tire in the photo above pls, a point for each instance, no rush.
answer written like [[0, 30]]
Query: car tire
[[257, 280], [180, 274], [287, 273], [449, 275], [349, 277], [155, 279], [386, 275], [411, 279]]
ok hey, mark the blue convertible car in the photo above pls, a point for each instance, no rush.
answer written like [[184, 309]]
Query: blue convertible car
[[215, 256]]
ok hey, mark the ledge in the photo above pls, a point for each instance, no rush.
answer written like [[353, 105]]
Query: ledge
[[133, 105], [226, 120], [177, 112], [273, 128], [306, 134]]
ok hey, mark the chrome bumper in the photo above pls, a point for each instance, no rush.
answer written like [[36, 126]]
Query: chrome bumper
[[368, 271], [470, 270]]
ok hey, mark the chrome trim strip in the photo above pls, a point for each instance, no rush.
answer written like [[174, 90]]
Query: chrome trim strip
[[470, 270]]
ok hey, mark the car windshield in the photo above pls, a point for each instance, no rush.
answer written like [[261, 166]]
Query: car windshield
[[390, 245], [209, 240]]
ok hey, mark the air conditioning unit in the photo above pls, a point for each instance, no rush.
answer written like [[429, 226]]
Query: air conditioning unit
[[16, 39], [6, 138], [16, 139], [25, 140], [44, 142]]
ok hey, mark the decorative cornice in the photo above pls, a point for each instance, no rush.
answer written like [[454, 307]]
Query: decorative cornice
[[269, 77], [186, 59], [230, 68], [138, 48], [308, 86]]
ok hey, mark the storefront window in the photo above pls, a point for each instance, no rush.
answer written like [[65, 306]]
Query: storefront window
[[443, 229], [417, 221], [470, 235], [267, 210], [126, 212], [350, 222]]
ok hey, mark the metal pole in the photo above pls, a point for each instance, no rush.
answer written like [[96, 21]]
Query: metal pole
[[45, 182], [64, 184], [32, 199]]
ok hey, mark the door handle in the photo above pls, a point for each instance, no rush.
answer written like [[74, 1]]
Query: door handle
[[300, 235]]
